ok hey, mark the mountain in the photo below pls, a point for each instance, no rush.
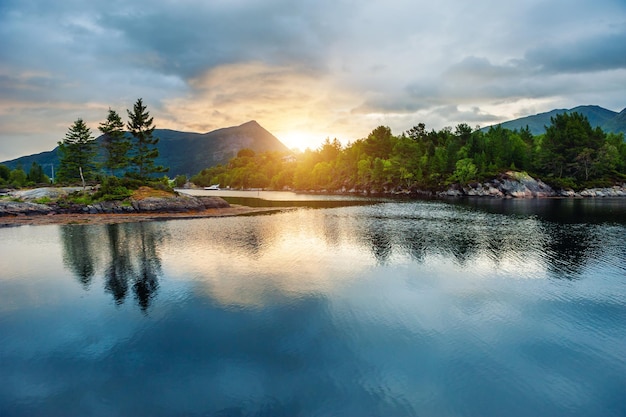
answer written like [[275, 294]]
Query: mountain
[[618, 123], [608, 120], [185, 152]]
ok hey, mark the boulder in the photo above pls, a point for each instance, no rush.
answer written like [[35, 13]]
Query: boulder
[[178, 204], [14, 208], [509, 185], [52, 193], [213, 202]]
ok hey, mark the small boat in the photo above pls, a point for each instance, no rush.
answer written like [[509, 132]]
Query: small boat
[[212, 187]]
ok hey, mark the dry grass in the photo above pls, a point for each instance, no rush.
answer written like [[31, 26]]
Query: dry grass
[[146, 192]]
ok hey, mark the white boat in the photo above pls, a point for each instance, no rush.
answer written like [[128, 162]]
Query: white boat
[[212, 187]]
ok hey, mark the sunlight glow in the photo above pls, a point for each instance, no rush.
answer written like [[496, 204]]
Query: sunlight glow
[[300, 140]]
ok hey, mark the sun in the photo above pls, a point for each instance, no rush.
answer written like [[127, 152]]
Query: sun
[[301, 140]]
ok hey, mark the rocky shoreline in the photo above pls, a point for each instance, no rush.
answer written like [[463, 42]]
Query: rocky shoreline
[[28, 203], [51, 202], [17, 213], [513, 184]]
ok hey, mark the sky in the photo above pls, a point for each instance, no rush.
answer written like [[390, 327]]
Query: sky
[[305, 70]]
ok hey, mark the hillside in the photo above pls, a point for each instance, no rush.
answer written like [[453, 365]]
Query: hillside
[[186, 152], [608, 120]]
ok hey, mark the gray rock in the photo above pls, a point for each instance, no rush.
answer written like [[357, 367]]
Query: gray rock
[[178, 204], [52, 193], [213, 202], [510, 185], [13, 208]]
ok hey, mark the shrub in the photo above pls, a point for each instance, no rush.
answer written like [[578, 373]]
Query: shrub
[[79, 197], [43, 200], [113, 188]]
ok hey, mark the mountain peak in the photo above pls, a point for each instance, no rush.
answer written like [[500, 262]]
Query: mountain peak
[[607, 120], [188, 152]]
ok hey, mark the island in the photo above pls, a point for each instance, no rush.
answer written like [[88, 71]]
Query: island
[[61, 205]]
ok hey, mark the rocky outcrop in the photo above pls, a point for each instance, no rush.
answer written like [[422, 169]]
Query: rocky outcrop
[[511, 184], [14, 208], [616, 191], [514, 184], [178, 204], [53, 193]]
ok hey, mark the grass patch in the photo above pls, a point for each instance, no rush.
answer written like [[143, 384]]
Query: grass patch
[[80, 198], [43, 200]]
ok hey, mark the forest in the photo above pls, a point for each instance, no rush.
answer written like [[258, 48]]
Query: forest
[[571, 154]]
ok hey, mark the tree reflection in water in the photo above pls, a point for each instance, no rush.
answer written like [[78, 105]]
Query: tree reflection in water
[[79, 255], [130, 256], [120, 263], [146, 280], [499, 237], [466, 235]]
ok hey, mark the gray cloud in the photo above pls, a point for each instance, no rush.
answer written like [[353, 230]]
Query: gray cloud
[[397, 62], [186, 42], [598, 53]]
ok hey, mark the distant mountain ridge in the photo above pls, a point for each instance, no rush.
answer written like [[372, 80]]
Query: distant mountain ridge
[[607, 120], [185, 152]]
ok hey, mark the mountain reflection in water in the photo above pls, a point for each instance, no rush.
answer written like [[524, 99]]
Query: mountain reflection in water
[[127, 255], [393, 308]]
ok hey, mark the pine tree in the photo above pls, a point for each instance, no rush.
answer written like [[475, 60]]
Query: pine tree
[[36, 174], [77, 154], [116, 145], [145, 151], [570, 146]]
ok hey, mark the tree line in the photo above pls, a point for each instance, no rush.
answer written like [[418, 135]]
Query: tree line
[[570, 154], [135, 158], [121, 155]]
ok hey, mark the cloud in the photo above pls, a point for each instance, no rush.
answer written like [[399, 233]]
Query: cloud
[[603, 52], [282, 98], [317, 69], [188, 38]]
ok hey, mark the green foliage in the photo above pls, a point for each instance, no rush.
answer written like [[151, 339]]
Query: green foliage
[[162, 184], [114, 142], [18, 178], [43, 200], [431, 160], [36, 174], [180, 181], [465, 171], [113, 188], [77, 154], [79, 197], [144, 148], [570, 147], [5, 174]]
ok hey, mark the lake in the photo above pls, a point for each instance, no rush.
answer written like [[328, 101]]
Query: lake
[[356, 308]]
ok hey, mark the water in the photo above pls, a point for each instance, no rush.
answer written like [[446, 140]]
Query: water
[[391, 309]]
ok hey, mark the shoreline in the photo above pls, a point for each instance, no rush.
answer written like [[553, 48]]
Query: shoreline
[[112, 218]]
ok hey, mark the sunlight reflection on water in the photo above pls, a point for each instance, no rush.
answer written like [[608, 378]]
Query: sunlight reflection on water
[[396, 308]]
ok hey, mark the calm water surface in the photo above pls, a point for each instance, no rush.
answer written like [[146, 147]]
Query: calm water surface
[[484, 308]]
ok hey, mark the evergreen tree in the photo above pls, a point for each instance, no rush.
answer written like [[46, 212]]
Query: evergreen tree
[[36, 174], [145, 151], [114, 142], [18, 177], [570, 146], [5, 173], [77, 153]]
